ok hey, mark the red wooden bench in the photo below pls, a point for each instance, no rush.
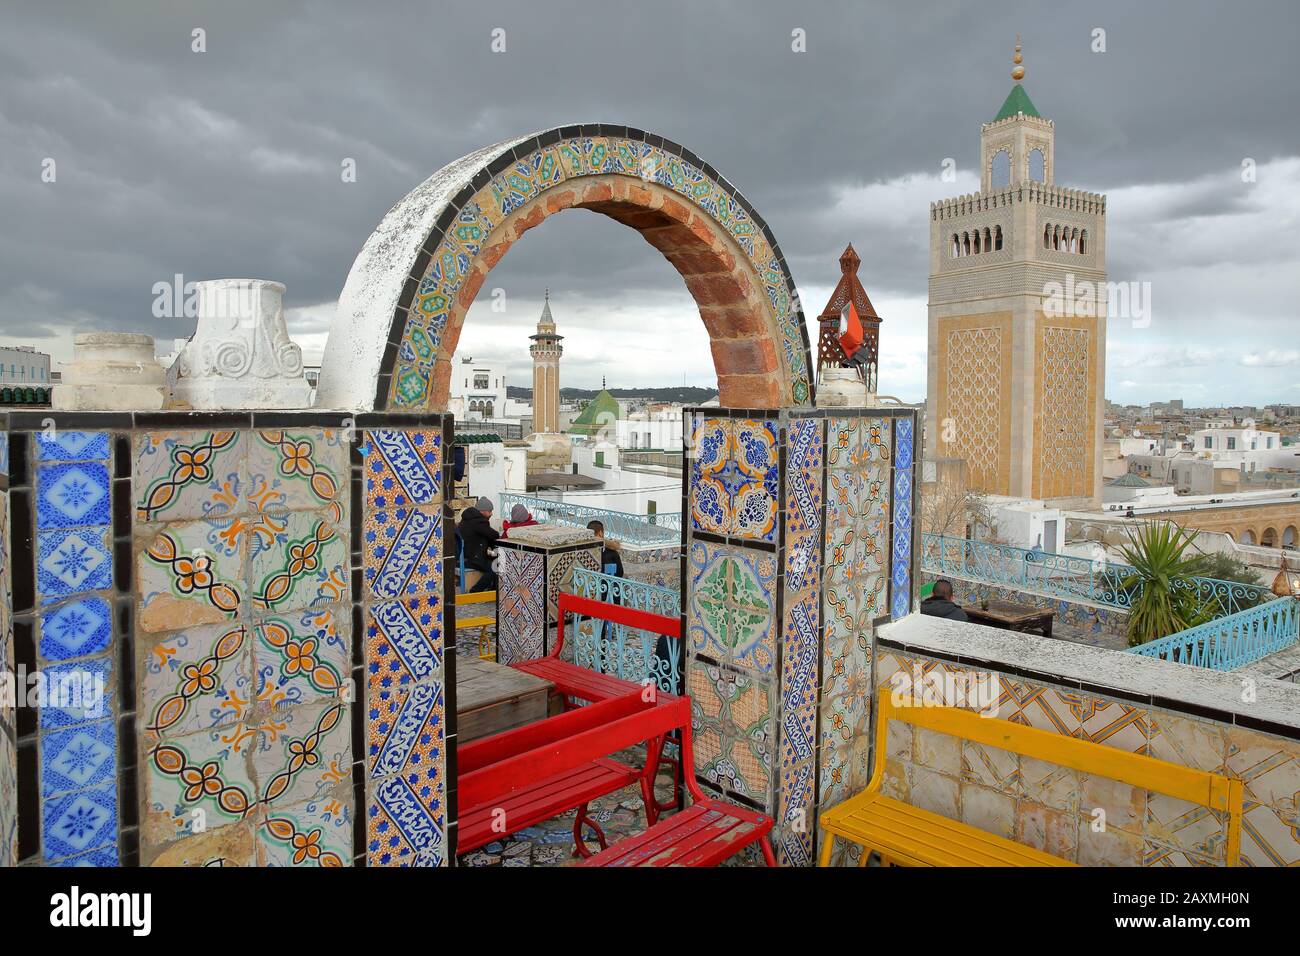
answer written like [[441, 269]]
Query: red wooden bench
[[584, 684], [704, 834], [581, 682], [513, 780]]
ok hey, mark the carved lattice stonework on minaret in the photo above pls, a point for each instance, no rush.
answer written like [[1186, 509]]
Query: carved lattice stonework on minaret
[[971, 427], [1064, 436]]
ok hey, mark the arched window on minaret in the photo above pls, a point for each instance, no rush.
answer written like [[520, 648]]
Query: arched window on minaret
[[965, 243], [956, 246], [1083, 242], [988, 239], [1037, 166], [1047, 236], [1000, 170], [997, 237]]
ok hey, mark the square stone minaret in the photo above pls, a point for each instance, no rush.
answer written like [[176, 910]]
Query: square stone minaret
[[1017, 319]]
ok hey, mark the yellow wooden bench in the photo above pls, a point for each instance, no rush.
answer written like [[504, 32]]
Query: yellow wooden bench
[[909, 836], [482, 622]]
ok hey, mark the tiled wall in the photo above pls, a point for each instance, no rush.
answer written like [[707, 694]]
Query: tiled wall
[[530, 581], [792, 519], [237, 581], [70, 608], [1054, 809], [405, 554]]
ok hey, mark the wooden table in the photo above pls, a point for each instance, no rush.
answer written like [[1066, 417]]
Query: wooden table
[[1011, 617], [492, 697]]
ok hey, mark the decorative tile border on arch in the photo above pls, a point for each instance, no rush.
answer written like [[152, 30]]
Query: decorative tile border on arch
[[780, 604], [263, 694], [445, 268]]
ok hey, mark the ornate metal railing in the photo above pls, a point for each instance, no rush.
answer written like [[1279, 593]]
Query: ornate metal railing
[[617, 649], [656, 529], [1066, 576], [1233, 641]]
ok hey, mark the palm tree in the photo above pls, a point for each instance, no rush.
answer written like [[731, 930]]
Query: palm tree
[[1156, 551]]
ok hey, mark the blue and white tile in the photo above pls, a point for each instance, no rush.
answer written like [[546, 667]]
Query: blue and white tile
[[72, 562], [71, 446], [72, 495], [76, 693], [78, 822], [78, 758], [76, 629]]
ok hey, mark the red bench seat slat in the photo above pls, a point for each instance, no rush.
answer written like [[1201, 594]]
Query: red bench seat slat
[[705, 834], [546, 799]]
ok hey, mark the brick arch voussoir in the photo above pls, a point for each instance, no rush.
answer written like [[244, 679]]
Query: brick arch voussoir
[[736, 314]]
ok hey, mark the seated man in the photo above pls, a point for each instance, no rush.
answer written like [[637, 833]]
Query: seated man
[[941, 604], [520, 517], [477, 537]]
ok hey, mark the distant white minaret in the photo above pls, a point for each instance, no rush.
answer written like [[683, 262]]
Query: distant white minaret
[[546, 350]]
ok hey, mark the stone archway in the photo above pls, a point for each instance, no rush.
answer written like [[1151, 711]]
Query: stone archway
[[400, 313]]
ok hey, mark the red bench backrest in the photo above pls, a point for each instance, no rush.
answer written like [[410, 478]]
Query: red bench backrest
[[598, 730], [615, 613]]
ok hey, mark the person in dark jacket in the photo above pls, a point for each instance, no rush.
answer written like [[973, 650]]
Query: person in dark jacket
[[477, 537], [610, 561], [941, 604]]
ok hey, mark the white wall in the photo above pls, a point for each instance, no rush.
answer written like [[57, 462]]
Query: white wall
[[25, 367], [1025, 524], [624, 490]]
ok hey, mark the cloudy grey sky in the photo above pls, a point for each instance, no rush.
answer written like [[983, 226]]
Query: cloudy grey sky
[[227, 163]]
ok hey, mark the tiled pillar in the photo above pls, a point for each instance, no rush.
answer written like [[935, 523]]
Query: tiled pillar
[[790, 526], [534, 566], [65, 627], [405, 557], [243, 634]]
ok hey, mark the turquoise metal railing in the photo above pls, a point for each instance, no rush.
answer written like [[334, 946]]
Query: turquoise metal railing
[[1233, 641], [657, 529], [1066, 576], [617, 649]]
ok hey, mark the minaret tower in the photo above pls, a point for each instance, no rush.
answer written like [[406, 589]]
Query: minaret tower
[[1017, 319], [546, 350]]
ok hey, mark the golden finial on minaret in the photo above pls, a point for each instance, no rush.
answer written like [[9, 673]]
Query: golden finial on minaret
[[1018, 73]]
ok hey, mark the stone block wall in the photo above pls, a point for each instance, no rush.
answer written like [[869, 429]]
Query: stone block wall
[[1186, 715], [233, 582], [798, 542]]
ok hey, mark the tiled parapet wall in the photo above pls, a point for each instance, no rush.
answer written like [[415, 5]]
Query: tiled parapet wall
[[1094, 620], [1223, 723], [792, 523], [232, 579]]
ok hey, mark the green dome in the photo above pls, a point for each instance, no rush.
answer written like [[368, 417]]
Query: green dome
[[600, 413]]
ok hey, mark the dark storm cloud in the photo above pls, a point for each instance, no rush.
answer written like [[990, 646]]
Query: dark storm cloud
[[227, 163]]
